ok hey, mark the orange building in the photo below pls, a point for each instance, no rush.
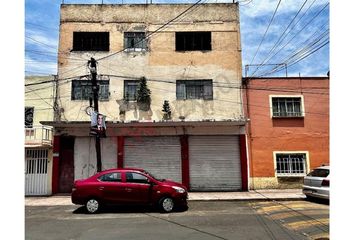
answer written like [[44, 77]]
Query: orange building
[[288, 129]]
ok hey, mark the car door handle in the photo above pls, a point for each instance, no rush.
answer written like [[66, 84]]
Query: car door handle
[[100, 188], [128, 189]]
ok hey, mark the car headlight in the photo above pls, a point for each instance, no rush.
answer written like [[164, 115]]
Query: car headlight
[[179, 189]]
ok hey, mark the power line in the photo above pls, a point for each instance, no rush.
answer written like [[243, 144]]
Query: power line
[[299, 59], [44, 44], [312, 19], [41, 26], [270, 22], [279, 39], [158, 29]]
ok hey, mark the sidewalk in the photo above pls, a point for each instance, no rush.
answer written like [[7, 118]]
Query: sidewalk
[[266, 195]]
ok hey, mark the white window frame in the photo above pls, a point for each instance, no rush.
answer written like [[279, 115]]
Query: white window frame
[[307, 163], [286, 96]]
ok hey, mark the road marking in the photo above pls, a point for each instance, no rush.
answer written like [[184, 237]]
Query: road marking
[[307, 223]]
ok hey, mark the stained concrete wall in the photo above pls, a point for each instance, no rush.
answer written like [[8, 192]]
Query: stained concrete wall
[[161, 64], [267, 135]]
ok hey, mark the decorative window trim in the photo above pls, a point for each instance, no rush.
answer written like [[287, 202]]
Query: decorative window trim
[[307, 167], [29, 116], [286, 96]]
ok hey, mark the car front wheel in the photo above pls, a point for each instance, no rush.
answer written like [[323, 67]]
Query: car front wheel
[[92, 205], [166, 204]]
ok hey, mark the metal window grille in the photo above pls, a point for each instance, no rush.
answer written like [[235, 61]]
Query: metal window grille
[[36, 161], [291, 164], [29, 117], [82, 90], [194, 89], [134, 40], [193, 41], [286, 107], [131, 89], [91, 41]]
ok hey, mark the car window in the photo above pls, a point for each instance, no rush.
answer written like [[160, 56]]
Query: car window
[[319, 173], [136, 178], [111, 177]]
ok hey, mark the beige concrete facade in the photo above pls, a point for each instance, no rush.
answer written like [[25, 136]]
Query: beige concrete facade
[[40, 96], [160, 64]]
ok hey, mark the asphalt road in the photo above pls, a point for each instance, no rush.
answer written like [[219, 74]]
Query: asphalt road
[[203, 220]]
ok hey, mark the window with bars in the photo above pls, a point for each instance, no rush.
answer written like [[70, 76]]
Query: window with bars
[[291, 164], [91, 41], [29, 117], [36, 161], [287, 107], [193, 41], [131, 89], [82, 90], [134, 41], [194, 89]]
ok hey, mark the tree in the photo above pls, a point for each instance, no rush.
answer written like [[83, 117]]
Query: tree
[[167, 110], [143, 95]]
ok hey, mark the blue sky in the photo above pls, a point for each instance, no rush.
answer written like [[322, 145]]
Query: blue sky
[[308, 32]]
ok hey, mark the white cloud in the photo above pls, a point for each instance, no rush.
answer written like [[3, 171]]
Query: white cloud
[[38, 67], [266, 7]]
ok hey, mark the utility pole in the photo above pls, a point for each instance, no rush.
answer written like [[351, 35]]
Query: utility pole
[[92, 64], [56, 105]]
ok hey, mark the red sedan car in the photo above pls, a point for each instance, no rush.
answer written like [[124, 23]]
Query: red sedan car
[[128, 186]]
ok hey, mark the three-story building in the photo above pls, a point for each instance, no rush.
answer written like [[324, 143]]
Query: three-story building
[[190, 56]]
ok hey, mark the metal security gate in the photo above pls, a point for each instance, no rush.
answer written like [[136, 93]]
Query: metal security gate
[[214, 163], [85, 156], [36, 175], [161, 156]]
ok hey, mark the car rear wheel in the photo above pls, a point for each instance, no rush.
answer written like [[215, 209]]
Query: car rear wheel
[[92, 205], [166, 204]]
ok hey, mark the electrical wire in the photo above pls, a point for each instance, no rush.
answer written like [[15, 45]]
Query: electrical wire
[[279, 39], [265, 33], [153, 32], [297, 33]]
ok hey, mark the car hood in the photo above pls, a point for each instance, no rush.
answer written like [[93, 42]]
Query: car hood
[[171, 183]]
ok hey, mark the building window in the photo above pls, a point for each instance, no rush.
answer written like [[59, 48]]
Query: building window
[[131, 89], [193, 41], [194, 89], [82, 90], [134, 41], [287, 107], [29, 117], [91, 41], [290, 164]]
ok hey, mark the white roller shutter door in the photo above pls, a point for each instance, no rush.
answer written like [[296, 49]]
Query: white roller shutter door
[[160, 156], [214, 163], [85, 159]]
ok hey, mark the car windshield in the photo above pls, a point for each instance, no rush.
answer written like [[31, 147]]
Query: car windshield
[[148, 173], [319, 173]]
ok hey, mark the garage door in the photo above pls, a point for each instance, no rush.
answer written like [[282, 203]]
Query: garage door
[[161, 156], [214, 163], [85, 162]]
